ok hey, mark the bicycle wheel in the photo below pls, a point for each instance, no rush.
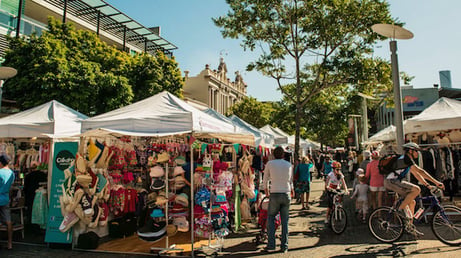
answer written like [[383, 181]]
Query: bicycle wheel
[[385, 224], [338, 220], [446, 225]]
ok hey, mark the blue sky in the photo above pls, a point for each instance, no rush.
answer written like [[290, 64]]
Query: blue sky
[[188, 25]]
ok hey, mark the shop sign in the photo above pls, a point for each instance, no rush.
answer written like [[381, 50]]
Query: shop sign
[[63, 155]]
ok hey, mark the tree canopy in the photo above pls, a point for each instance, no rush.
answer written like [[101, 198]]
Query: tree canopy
[[252, 111], [312, 44], [77, 69]]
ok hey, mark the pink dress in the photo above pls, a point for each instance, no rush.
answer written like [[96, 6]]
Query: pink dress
[[376, 179]]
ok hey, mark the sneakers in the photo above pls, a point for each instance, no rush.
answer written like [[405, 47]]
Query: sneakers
[[269, 249], [411, 229], [95, 219], [86, 203], [104, 214], [69, 220]]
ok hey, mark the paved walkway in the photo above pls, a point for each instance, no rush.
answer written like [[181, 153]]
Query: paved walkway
[[308, 237]]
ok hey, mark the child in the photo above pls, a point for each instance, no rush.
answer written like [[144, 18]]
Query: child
[[361, 192]]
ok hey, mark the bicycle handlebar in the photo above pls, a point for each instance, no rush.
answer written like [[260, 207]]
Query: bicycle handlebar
[[436, 191]]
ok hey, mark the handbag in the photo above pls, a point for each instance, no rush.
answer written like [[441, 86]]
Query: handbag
[[89, 240]]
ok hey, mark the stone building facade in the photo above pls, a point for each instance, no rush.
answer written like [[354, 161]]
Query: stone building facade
[[213, 89]]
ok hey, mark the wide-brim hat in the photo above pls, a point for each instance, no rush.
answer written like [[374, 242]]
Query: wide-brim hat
[[157, 184], [182, 199], [180, 160], [171, 230], [163, 157], [179, 182], [178, 170], [181, 223], [161, 200], [157, 213], [157, 171]]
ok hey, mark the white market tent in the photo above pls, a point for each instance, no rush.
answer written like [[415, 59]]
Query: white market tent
[[303, 143], [444, 114], [161, 115], [49, 120], [279, 138], [261, 138], [222, 117], [384, 135]]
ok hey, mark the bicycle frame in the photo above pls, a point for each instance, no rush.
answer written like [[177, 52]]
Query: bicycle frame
[[336, 204], [435, 206]]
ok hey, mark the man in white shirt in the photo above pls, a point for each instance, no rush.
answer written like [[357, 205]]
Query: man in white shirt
[[279, 173]]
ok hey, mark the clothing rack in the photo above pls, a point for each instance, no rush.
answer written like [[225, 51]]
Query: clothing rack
[[436, 144]]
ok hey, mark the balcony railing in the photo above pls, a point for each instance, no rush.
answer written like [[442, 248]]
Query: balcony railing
[[28, 25]]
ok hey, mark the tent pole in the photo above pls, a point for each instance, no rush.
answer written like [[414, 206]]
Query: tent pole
[[192, 196]]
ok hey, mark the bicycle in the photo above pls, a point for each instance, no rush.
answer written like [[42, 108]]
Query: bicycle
[[338, 216], [387, 224]]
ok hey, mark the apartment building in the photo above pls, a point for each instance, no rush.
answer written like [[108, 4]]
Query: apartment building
[[24, 17]]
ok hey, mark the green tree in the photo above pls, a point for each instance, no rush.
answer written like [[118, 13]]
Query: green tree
[[313, 44], [253, 112], [79, 70], [68, 65], [150, 75]]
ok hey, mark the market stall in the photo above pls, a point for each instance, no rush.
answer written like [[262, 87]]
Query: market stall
[[29, 138], [279, 138], [167, 132]]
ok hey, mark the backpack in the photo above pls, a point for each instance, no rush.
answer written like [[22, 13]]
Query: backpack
[[388, 164]]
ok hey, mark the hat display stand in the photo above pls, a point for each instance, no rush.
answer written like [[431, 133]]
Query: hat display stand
[[168, 247], [209, 247]]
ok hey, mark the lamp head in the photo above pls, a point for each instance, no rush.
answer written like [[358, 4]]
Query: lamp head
[[7, 72]]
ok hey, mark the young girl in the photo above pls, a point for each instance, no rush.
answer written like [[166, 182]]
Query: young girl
[[361, 192], [334, 181]]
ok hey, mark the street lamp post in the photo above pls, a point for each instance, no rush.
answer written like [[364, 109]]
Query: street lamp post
[[5, 73], [356, 133], [395, 32], [365, 115]]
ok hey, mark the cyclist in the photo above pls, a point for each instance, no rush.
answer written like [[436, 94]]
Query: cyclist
[[393, 181], [334, 181]]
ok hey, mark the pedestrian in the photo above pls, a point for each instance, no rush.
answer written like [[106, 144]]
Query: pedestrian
[[361, 193], [280, 175], [376, 180], [303, 181], [366, 159], [6, 180], [326, 166]]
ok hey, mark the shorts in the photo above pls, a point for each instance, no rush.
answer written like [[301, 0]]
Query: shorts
[[377, 188], [5, 215], [303, 187], [400, 187]]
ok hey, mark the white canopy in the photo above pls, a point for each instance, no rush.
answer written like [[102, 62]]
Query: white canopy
[[385, 135], [160, 115], [279, 138], [52, 119], [261, 138], [444, 114], [303, 143]]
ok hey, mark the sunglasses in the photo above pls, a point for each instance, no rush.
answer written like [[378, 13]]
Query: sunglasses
[[337, 168]]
